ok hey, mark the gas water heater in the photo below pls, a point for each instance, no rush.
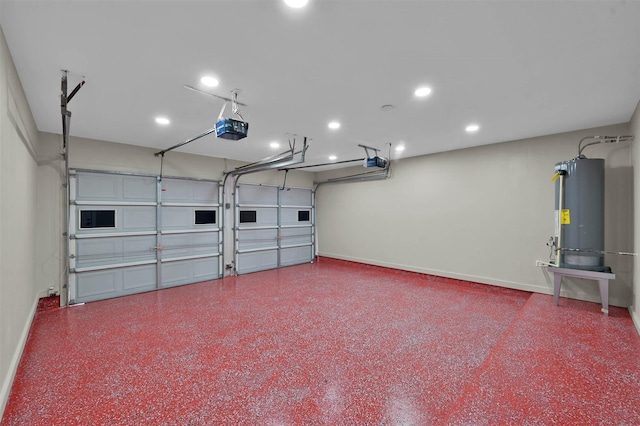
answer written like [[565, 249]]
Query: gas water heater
[[578, 242], [579, 213]]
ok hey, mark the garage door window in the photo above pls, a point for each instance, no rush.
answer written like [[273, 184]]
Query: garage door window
[[205, 217], [303, 215], [248, 216], [90, 219]]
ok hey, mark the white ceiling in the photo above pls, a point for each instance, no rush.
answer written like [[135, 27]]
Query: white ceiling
[[517, 68]]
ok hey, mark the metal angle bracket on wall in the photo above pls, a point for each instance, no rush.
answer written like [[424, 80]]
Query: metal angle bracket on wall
[[65, 98]]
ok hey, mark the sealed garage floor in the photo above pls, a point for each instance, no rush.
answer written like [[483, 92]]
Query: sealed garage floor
[[329, 343]]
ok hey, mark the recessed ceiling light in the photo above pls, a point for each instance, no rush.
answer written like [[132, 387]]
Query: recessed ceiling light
[[333, 158], [296, 4], [334, 125], [421, 92], [162, 120], [209, 81], [274, 145], [400, 148], [472, 128]]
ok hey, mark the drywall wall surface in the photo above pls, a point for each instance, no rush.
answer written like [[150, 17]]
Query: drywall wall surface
[[634, 129], [18, 205], [482, 214], [110, 156]]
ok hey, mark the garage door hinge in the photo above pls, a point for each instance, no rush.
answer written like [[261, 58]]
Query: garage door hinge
[[72, 256]]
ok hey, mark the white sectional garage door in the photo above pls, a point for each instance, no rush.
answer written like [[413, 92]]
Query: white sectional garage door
[[131, 233], [274, 227], [190, 237], [296, 226]]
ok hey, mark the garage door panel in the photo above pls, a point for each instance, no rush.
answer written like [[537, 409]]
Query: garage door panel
[[207, 242], [256, 217], [257, 194], [205, 269], [139, 278], [127, 219], [205, 192], [175, 218], [295, 236], [98, 285], [97, 187], [296, 255], [116, 188], [297, 216], [296, 197], [123, 219], [257, 261], [181, 218], [176, 190], [105, 251], [257, 238], [187, 191], [189, 271], [178, 245], [139, 188], [138, 218]]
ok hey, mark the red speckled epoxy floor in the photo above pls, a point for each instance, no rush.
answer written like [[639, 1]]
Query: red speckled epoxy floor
[[331, 343]]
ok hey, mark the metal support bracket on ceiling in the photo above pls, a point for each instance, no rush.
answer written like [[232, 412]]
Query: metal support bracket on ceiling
[[366, 150], [64, 101]]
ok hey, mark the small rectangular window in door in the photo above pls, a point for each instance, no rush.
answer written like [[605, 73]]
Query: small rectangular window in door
[[205, 217], [90, 219], [248, 216], [303, 215]]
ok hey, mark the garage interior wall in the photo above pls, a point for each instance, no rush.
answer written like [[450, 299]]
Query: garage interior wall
[[634, 128], [482, 214], [19, 288]]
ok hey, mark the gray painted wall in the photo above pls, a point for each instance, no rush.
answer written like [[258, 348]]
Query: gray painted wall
[[634, 129], [19, 291], [482, 214]]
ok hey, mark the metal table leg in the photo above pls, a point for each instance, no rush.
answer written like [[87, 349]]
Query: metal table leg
[[557, 281], [604, 294]]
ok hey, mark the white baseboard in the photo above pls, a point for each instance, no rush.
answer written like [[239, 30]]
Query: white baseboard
[[477, 279], [635, 318], [7, 382], [533, 288]]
